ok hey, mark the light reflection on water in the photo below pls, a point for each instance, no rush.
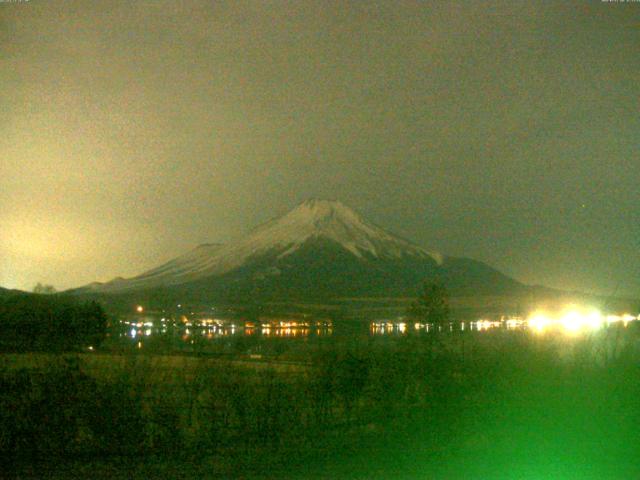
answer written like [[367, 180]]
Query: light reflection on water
[[190, 331], [570, 321], [137, 330], [391, 327]]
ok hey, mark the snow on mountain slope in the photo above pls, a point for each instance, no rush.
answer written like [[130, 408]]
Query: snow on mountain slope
[[312, 219], [185, 264], [174, 271], [321, 219]]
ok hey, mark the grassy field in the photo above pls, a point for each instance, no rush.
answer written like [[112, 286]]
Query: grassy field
[[156, 367], [495, 405]]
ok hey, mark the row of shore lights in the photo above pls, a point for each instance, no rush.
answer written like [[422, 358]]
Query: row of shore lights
[[571, 320], [574, 320]]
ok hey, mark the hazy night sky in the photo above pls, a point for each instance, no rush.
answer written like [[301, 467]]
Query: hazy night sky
[[509, 132]]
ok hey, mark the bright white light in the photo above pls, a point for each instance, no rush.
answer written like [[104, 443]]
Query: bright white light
[[539, 322], [628, 318], [486, 324], [572, 321], [594, 320], [513, 323]]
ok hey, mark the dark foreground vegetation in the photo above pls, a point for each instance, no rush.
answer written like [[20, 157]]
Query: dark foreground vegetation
[[493, 405], [33, 322]]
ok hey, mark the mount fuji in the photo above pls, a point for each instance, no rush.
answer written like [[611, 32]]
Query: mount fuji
[[321, 249]]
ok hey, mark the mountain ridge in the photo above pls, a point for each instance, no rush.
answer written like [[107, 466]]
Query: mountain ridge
[[319, 248]]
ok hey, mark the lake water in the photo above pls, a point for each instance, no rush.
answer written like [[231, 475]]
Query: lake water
[[215, 335]]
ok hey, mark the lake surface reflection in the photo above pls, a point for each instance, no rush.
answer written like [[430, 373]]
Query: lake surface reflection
[[183, 333], [216, 334]]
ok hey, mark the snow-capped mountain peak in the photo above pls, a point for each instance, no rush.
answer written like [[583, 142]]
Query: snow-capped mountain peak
[[313, 219], [331, 220]]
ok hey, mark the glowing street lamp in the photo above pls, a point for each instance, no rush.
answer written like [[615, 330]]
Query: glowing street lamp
[[539, 322], [572, 321], [594, 320]]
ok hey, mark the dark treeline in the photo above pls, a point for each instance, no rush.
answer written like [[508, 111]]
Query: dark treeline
[[31, 322], [504, 397]]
